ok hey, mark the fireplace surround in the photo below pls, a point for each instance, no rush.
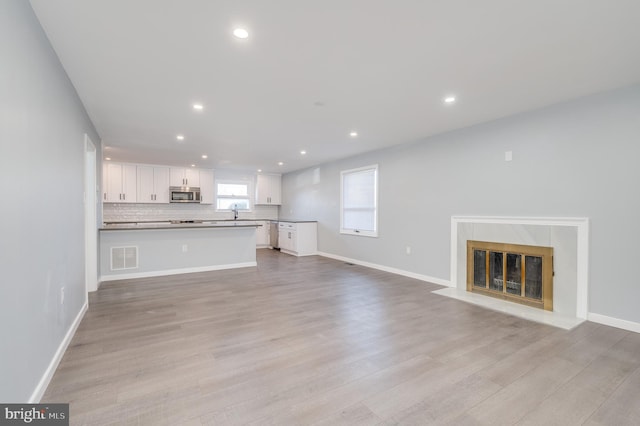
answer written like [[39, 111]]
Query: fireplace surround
[[569, 236]]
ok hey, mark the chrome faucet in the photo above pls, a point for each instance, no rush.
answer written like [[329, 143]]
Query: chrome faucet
[[235, 212]]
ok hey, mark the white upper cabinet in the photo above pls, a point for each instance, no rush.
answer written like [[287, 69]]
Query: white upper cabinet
[[119, 183], [207, 191], [153, 184], [269, 189], [184, 176]]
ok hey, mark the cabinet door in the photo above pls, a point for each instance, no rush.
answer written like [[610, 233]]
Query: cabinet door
[[275, 186], [206, 187], [122, 183], [176, 176], [262, 234], [262, 189], [192, 177], [283, 239], [268, 189], [161, 184], [114, 183], [145, 184], [129, 183]]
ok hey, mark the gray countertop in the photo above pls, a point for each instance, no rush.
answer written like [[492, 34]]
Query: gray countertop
[[294, 221], [170, 224], [119, 226]]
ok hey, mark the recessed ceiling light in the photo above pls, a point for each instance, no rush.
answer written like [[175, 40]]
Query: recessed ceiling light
[[449, 99], [108, 158], [353, 134], [180, 137], [193, 165], [280, 163], [259, 170], [198, 107], [303, 152], [205, 156], [240, 33]]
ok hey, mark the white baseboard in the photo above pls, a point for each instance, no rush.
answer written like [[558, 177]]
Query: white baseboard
[[296, 254], [39, 391], [614, 322], [404, 273], [176, 271]]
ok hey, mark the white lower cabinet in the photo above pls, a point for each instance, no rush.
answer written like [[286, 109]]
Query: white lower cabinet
[[298, 238], [262, 234]]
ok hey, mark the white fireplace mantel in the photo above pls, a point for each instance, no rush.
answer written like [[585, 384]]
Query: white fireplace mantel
[[581, 226]]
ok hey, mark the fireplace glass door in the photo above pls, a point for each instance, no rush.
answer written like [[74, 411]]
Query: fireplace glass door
[[519, 273]]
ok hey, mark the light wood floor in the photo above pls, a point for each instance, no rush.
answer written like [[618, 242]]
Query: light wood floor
[[316, 341]]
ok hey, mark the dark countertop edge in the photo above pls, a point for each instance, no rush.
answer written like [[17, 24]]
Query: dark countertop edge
[[173, 226], [123, 222]]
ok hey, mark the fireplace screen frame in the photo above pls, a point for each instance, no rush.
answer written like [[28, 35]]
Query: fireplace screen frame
[[546, 253]]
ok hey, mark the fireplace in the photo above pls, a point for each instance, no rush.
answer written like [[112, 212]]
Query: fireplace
[[518, 273]]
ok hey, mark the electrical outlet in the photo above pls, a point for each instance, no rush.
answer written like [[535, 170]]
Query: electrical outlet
[[408, 250], [185, 248], [62, 295], [508, 155]]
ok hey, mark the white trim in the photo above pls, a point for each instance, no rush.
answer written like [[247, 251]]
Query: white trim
[[176, 271], [296, 254], [582, 225], [38, 392], [90, 217], [402, 272], [614, 322]]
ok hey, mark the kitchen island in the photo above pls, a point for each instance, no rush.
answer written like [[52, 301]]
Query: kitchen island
[[148, 249]]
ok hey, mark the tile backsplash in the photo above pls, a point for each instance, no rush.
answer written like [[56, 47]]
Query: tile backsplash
[[116, 212]]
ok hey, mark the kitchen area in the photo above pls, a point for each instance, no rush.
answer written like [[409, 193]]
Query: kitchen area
[[163, 220]]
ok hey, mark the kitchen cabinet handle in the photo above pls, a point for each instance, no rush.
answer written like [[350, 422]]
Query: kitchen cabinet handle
[[124, 196]]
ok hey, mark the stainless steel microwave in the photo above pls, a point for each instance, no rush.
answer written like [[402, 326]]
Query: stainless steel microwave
[[184, 194]]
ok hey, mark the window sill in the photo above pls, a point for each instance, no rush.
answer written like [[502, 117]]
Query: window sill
[[370, 234]]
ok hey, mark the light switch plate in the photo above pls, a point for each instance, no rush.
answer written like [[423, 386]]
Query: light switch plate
[[508, 155]]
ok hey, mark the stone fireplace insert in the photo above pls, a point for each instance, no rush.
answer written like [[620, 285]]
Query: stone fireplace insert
[[518, 273]]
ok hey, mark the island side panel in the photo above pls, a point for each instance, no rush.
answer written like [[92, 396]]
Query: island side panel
[[174, 251]]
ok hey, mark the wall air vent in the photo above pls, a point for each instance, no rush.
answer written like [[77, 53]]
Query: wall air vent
[[124, 258]]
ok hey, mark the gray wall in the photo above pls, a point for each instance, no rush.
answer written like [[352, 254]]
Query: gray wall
[[574, 159], [42, 126]]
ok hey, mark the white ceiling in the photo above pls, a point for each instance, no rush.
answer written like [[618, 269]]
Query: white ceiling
[[379, 67]]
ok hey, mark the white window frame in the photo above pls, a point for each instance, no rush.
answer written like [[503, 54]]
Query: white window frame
[[228, 197], [360, 232]]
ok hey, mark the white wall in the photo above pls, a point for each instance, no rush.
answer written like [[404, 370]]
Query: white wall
[[577, 159], [42, 127]]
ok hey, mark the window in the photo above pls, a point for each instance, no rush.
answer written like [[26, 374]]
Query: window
[[232, 194], [359, 201]]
